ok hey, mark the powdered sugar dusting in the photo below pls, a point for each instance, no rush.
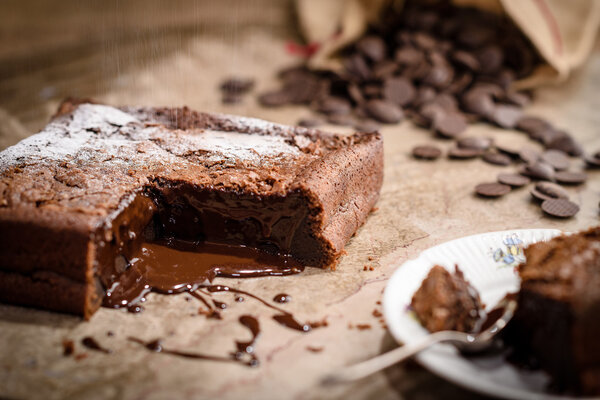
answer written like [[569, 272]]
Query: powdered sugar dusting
[[241, 146]]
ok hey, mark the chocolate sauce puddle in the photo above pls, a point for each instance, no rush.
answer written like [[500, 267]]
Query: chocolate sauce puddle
[[173, 266], [244, 354]]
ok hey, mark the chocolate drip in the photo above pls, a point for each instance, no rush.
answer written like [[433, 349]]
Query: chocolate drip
[[285, 318], [244, 354], [92, 344], [173, 266]]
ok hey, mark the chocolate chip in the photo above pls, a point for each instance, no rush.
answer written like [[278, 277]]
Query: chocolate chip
[[341, 119], [491, 59], [514, 180], [549, 190], [372, 47], [512, 152], [384, 69], [475, 142], [557, 158], [571, 177], [310, 122], [506, 116], [466, 59], [561, 208], [357, 66], [409, 56], [450, 124], [593, 161], [231, 98], [463, 154], [493, 189], [384, 111], [478, 102], [426, 152], [399, 91], [529, 155], [237, 85], [355, 94], [274, 99], [334, 105], [567, 144], [497, 158], [366, 126], [539, 170], [439, 76]]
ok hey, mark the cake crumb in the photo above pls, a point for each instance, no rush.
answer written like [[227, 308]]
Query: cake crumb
[[377, 313], [370, 258], [80, 356], [314, 349], [362, 327]]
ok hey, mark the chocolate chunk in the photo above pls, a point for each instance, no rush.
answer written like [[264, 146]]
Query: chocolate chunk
[[334, 105], [549, 190], [475, 142], [557, 158], [237, 85], [399, 91], [539, 170], [493, 189], [561, 208], [496, 158], [462, 154], [506, 116], [514, 180], [449, 124], [426, 152], [384, 111], [571, 177], [372, 47]]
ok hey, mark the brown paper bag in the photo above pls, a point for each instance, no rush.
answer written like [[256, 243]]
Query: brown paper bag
[[563, 31]]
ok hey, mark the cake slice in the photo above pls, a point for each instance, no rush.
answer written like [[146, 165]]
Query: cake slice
[[76, 198], [557, 321], [447, 301]]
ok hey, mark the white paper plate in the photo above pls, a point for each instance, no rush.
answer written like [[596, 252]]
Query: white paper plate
[[488, 261]]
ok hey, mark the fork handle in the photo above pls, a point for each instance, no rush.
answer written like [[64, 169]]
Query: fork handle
[[378, 363]]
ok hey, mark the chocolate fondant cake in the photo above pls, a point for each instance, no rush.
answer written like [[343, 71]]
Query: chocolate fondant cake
[[76, 198], [447, 301], [557, 321]]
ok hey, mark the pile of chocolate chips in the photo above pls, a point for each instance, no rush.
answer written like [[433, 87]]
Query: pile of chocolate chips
[[443, 67], [439, 65]]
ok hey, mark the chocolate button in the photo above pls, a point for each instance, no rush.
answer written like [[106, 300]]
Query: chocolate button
[[570, 178], [506, 116], [462, 154], [493, 189], [426, 152], [384, 111], [539, 170], [399, 91], [557, 158], [497, 158], [561, 208], [514, 180], [473, 142], [549, 190]]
